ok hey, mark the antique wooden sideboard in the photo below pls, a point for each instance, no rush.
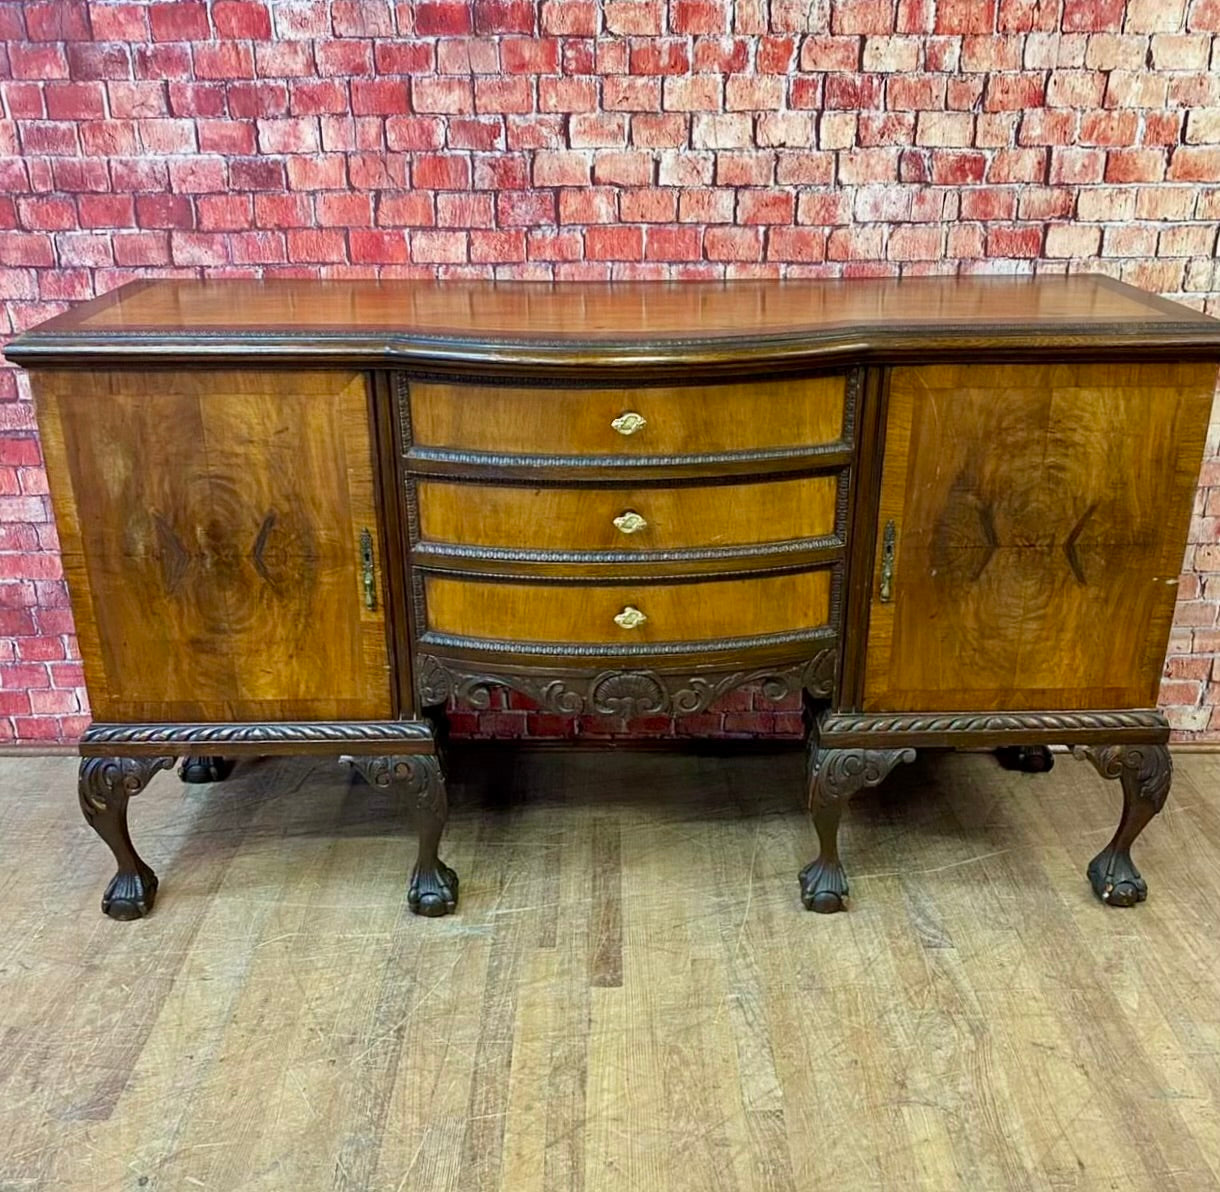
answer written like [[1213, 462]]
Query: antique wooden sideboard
[[304, 516]]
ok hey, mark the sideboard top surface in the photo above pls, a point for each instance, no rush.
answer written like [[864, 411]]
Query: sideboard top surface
[[615, 325]]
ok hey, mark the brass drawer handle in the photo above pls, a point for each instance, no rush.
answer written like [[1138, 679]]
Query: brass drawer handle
[[630, 522], [630, 618], [887, 564], [628, 423], [368, 576]]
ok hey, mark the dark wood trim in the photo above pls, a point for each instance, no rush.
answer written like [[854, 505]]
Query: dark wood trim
[[603, 567], [862, 536], [608, 470], [518, 653], [843, 730], [621, 692], [245, 740], [392, 541]]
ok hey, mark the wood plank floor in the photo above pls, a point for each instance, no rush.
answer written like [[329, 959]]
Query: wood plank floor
[[630, 996]]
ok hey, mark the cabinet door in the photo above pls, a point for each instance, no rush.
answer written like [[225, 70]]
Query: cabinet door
[[1039, 516], [211, 526]]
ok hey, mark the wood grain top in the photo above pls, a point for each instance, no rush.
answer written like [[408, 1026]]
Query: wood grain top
[[615, 325]]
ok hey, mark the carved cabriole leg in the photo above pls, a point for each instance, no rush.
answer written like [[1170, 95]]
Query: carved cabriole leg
[[834, 776], [104, 786], [434, 886], [1145, 772], [205, 769]]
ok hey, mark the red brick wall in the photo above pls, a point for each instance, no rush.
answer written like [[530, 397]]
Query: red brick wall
[[573, 139]]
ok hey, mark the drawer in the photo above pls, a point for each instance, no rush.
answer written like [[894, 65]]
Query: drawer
[[628, 614], [627, 519], [790, 412]]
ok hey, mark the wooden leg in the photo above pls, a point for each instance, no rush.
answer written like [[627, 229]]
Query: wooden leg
[[834, 776], [1145, 772], [205, 769], [1027, 759], [434, 886], [104, 786]]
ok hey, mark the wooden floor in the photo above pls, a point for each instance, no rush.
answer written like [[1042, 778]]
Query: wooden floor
[[630, 996]]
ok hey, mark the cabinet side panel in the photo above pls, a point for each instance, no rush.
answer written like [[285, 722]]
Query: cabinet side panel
[[1040, 516], [211, 525]]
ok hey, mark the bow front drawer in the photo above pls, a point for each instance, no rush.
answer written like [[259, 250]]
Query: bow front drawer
[[628, 615], [627, 520], [788, 414]]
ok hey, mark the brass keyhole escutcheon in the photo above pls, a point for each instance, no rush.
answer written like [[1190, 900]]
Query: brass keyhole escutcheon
[[887, 564], [630, 618], [630, 522], [368, 575], [629, 422]]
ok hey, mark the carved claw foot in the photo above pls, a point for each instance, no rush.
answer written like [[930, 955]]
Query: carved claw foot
[[205, 769], [824, 886], [834, 776], [433, 891], [1145, 773], [1027, 759], [1115, 879], [130, 895], [104, 787]]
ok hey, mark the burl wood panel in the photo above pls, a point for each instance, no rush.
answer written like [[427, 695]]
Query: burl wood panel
[[734, 416], [583, 519], [210, 524], [701, 611], [1040, 512]]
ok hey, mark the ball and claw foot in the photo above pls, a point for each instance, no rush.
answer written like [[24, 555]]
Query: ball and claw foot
[[104, 787], [824, 887], [433, 892], [1115, 879], [205, 769], [1145, 773], [130, 895], [1026, 759]]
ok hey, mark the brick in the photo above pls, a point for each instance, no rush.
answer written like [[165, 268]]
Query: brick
[[1063, 240], [744, 93], [796, 244], [1190, 164], [572, 18], [733, 244], [379, 97], [1071, 165], [241, 19], [628, 16], [614, 243], [622, 169], [179, 21], [567, 95], [766, 207], [673, 243], [966, 16], [1014, 241], [1135, 165], [694, 93], [443, 96], [1088, 16], [891, 54], [862, 16], [561, 169]]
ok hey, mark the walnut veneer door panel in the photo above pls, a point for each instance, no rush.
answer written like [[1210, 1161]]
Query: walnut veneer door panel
[[579, 613], [1040, 516], [691, 420], [600, 519], [210, 524]]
